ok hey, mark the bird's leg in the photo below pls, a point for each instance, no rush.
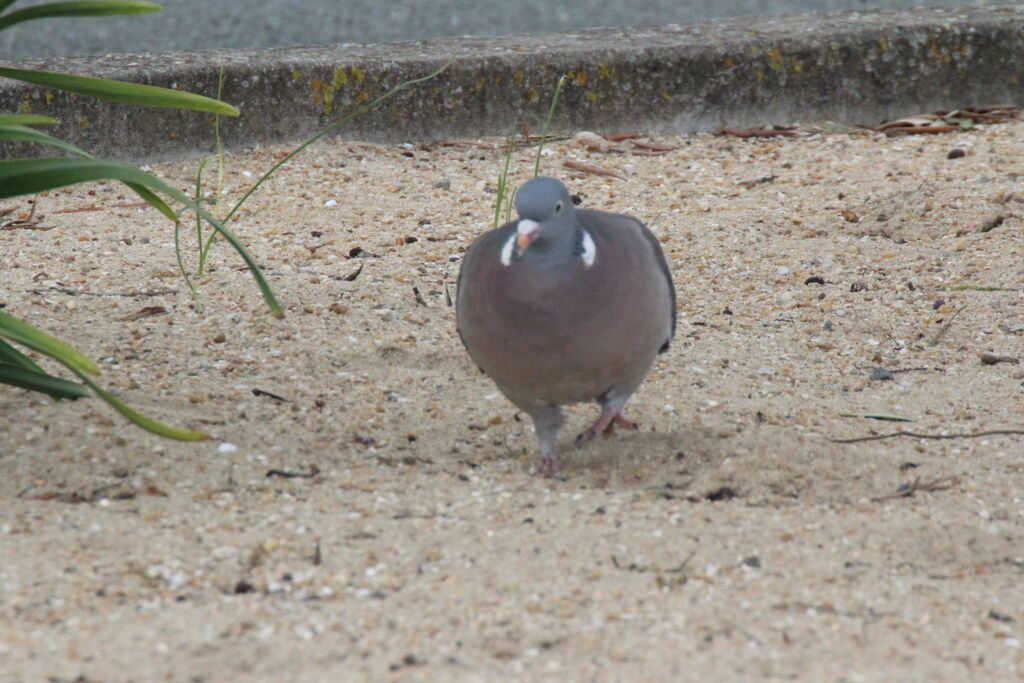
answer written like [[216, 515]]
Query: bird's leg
[[547, 420], [624, 423], [611, 415], [547, 466]]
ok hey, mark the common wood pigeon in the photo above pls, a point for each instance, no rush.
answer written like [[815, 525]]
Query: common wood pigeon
[[565, 305]]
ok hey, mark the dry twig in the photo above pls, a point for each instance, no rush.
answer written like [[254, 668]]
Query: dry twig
[[936, 437], [591, 168], [908, 490]]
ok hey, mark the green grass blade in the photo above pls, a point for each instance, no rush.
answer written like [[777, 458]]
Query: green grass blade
[[120, 91], [361, 110], [29, 176], [27, 120], [37, 340], [141, 420], [35, 380], [502, 189], [97, 8], [547, 123], [12, 356], [4, 4], [196, 299]]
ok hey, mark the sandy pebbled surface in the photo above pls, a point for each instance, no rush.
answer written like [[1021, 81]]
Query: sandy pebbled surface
[[730, 538]]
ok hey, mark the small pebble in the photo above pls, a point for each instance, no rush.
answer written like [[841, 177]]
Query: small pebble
[[956, 153], [443, 184], [880, 374]]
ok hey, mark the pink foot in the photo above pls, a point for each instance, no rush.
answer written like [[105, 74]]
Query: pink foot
[[624, 423], [547, 467], [606, 424]]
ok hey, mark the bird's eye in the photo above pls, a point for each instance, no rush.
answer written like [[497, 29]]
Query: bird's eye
[[558, 207]]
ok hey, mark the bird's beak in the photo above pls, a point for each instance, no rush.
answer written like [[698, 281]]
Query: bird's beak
[[526, 232]]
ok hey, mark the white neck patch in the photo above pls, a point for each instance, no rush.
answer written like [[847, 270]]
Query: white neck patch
[[526, 226], [506, 250], [589, 254]]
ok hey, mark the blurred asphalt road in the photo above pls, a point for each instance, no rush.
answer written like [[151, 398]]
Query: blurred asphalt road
[[205, 25]]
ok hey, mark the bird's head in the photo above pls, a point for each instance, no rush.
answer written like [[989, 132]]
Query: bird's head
[[546, 214]]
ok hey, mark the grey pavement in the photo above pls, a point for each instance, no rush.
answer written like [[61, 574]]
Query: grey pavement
[[855, 67], [251, 24]]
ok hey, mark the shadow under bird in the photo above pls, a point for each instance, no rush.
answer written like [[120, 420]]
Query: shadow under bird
[[565, 305]]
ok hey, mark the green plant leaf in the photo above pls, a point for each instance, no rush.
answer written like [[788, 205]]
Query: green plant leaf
[[17, 133], [18, 374], [37, 340], [141, 420], [29, 176], [120, 91], [35, 380], [24, 134], [98, 8], [27, 120], [12, 356]]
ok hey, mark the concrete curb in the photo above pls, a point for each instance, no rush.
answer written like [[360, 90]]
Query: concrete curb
[[858, 66]]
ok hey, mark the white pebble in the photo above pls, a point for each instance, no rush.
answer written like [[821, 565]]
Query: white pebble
[[226, 447]]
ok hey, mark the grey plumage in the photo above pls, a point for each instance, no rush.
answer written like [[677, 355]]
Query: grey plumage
[[565, 305]]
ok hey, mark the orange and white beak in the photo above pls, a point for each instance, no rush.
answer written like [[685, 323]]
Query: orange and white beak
[[526, 232]]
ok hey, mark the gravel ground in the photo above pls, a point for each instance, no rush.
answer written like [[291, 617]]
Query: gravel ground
[[731, 537]]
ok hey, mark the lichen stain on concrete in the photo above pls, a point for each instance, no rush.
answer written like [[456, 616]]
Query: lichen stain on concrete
[[603, 71], [775, 59], [883, 43], [579, 76], [296, 75], [83, 122], [517, 78], [531, 94], [933, 46], [324, 93], [591, 96]]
